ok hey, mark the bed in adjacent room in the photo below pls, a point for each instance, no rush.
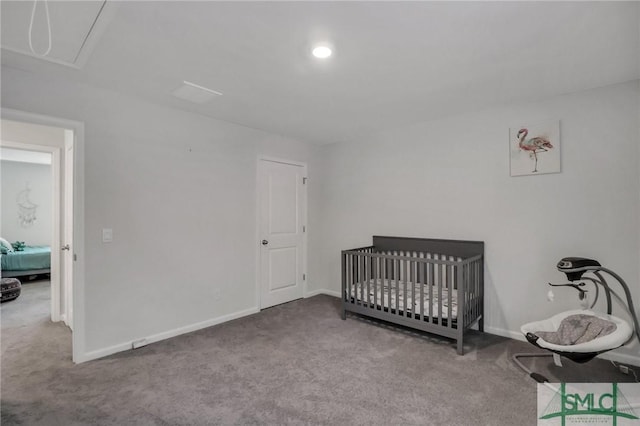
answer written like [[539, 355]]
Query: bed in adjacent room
[[32, 260]]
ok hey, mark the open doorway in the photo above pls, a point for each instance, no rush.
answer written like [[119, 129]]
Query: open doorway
[[26, 229], [37, 170]]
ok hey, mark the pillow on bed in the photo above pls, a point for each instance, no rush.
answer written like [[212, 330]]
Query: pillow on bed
[[6, 245]]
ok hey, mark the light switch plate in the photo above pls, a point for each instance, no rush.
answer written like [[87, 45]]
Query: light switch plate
[[107, 235]]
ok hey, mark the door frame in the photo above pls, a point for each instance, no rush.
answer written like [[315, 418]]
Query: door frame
[[56, 208], [258, 236], [78, 335], [67, 237]]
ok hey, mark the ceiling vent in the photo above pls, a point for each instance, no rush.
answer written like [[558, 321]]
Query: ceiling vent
[[195, 93]]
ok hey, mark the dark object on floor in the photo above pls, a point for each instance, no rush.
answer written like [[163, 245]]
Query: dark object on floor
[[426, 284], [10, 289]]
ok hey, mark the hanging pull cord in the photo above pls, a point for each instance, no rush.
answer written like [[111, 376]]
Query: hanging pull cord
[[33, 15]]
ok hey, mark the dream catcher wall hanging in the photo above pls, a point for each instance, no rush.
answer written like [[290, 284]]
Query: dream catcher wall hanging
[[26, 208]]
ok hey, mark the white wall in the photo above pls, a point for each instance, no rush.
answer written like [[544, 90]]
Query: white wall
[[179, 192], [450, 179], [14, 177]]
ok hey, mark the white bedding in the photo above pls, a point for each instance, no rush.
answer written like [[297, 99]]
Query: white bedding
[[360, 292]]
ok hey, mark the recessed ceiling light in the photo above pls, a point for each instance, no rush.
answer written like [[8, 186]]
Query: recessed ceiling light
[[321, 52]]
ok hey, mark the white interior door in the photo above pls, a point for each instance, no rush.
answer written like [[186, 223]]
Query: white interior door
[[67, 234], [282, 211]]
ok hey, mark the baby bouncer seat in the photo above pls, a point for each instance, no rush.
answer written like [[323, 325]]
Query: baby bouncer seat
[[582, 334]]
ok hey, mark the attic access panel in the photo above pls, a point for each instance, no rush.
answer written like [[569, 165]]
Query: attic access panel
[[73, 26]]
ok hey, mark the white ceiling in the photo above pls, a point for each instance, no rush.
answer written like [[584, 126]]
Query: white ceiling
[[394, 63], [71, 25]]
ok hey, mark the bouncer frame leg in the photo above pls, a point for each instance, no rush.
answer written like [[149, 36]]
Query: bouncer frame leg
[[535, 376]]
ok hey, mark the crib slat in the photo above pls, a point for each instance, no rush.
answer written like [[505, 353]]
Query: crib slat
[[476, 310], [361, 278], [422, 283], [350, 274], [450, 288], [352, 277], [476, 281], [440, 281], [356, 278], [383, 284], [462, 291], [414, 279], [398, 273], [470, 291], [365, 281], [411, 298], [472, 280], [404, 285], [391, 285], [474, 295], [367, 277], [467, 308], [396, 267], [431, 282], [347, 278], [391, 273], [343, 266], [479, 288], [434, 288], [474, 288], [376, 265], [383, 268]]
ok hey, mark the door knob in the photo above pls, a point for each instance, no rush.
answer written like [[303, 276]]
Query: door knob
[[265, 242], [66, 247]]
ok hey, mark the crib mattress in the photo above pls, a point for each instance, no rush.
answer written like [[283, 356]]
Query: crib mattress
[[359, 292]]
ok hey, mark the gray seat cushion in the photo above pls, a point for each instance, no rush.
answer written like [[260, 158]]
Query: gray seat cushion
[[576, 329], [10, 289]]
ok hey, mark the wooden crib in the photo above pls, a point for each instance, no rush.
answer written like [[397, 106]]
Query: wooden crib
[[427, 284]]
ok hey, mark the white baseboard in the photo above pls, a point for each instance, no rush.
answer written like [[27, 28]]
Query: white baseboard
[[623, 358], [505, 333], [100, 353], [322, 291], [611, 355]]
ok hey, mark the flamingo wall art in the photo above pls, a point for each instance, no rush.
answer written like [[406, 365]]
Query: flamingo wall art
[[535, 148]]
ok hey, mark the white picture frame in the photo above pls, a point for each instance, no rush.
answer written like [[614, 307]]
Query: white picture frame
[[534, 148]]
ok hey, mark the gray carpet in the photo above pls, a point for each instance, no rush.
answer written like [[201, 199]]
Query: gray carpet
[[296, 363], [32, 307]]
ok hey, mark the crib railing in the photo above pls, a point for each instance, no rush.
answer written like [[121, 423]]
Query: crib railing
[[406, 273]]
